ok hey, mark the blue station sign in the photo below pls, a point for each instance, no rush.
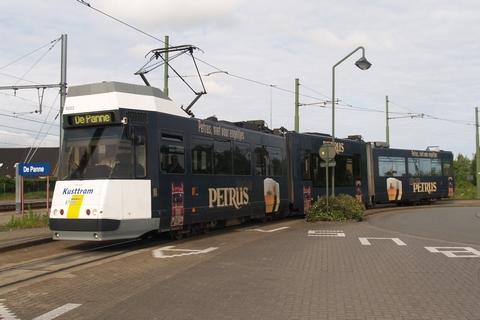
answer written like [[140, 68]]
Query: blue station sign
[[34, 169]]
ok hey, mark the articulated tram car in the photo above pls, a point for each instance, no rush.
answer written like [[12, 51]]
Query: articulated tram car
[[132, 163], [405, 176]]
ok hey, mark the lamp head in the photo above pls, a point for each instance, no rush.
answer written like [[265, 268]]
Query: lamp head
[[363, 63]]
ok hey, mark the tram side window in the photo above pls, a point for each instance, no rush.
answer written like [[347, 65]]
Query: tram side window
[[172, 158], [344, 171], [306, 166], [436, 167], [318, 172], [447, 168], [391, 166], [222, 157], [241, 159], [140, 144], [423, 167], [261, 161], [275, 162], [202, 156]]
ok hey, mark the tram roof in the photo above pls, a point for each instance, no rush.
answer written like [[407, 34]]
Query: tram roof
[[112, 95]]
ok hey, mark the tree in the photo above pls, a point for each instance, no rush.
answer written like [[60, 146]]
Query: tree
[[462, 168]]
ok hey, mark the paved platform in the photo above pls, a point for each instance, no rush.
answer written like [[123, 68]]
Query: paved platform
[[283, 270]]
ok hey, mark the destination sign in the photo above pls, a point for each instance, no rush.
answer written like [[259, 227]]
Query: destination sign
[[34, 169], [91, 119]]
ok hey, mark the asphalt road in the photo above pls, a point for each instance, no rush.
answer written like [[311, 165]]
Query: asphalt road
[[453, 224], [382, 268]]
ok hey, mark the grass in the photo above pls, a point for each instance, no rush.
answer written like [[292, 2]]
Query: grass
[[465, 190], [27, 220], [28, 195]]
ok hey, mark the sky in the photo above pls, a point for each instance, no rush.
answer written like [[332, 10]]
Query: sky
[[424, 55]]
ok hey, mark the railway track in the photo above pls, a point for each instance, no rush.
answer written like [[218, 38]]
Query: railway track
[[25, 272]]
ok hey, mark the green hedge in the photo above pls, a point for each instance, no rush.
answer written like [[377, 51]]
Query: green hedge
[[341, 208]]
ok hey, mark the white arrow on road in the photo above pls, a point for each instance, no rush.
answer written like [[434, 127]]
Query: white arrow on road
[[271, 230], [160, 253], [7, 314]]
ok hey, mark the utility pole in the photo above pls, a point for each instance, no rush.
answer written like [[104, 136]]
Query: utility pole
[[297, 105], [386, 119], [477, 155], [165, 68], [63, 89]]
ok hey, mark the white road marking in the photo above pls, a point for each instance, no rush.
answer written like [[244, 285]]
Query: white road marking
[[160, 252], [5, 313], [326, 233], [365, 242], [451, 252], [58, 311], [271, 230]]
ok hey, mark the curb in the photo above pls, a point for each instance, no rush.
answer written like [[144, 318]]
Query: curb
[[24, 242], [433, 205]]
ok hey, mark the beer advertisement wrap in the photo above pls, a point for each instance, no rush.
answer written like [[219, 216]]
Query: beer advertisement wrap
[[271, 193], [178, 210], [394, 189]]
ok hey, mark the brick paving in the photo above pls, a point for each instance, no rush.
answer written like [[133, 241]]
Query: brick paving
[[279, 275]]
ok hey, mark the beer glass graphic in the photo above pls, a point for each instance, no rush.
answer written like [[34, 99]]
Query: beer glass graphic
[[394, 189], [271, 193]]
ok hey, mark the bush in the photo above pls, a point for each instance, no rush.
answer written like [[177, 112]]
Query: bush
[[465, 190], [28, 220], [341, 208]]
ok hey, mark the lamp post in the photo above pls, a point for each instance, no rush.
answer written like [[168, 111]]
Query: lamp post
[[361, 63]]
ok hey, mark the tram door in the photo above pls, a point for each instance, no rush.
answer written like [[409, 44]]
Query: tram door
[[172, 184]]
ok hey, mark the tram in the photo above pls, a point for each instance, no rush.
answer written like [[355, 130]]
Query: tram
[[133, 163]]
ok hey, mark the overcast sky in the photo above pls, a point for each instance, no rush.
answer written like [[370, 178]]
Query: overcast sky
[[425, 56]]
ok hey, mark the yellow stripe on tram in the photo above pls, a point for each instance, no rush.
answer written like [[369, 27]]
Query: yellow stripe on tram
[[74, 206]]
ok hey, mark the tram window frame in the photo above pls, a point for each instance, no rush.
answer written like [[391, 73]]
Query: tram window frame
[[275, 162], [447, 168], [240, 169], [222, 148], [174, 146], [261, 160], [393, 162], [422, 167], [307, 166], [140, 140], [207, 145], [436, 163], [342, 179]]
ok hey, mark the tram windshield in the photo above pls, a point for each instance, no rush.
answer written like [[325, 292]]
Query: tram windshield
[[99, 153]]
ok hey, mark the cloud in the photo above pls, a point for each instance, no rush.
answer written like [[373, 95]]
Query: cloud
[[175, 14]]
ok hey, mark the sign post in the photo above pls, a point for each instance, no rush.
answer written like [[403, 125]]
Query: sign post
[[31, 169], [327, 153]]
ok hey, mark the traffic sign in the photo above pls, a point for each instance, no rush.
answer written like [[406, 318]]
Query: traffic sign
[[327, 152], [330, 164], [34, 169]]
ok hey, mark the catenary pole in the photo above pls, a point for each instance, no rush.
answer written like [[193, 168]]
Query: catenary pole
[[63, 91], [165, 68], [386, 119], [297, 105], [477, 153]]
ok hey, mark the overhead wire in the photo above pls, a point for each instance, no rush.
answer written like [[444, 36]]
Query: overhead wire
[[233, 75], [38, 60], [30, 154], [26, 55], [21, 129]]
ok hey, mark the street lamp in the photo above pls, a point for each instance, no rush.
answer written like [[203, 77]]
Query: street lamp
[[361, 63]]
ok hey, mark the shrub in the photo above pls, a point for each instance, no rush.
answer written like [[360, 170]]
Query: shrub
[[28, 220], [341, 208]]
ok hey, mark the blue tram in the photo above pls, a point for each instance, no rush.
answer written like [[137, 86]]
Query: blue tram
[[132, 163]]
